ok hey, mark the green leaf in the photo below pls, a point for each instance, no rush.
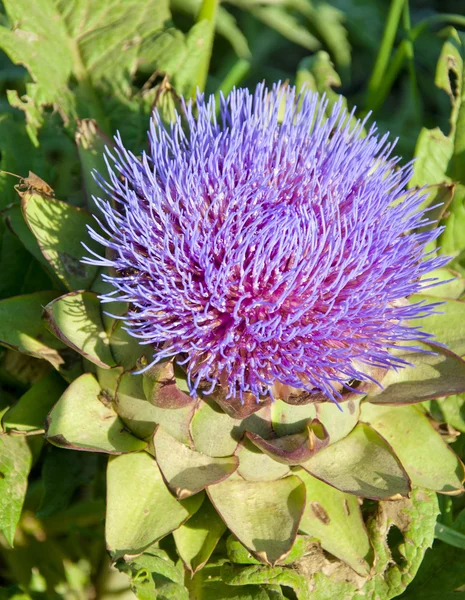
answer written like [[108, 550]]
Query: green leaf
[[198, 537], [450, 410], [15, 463], [451, 240], [21, 273], [63, 472], [155, 577], [140, 509], [450, 67], [429, 376], [428, 460], [450, 536], [432, 155], [22, 329], [284, 23], [237, 576], [82, 420], [238, 553], [268, 521], [91, 143], [441, 571], [15, 220], [30, 412], [76, 320], [363, 464], [413, 519], [188, 472], [335, 520], [60, 229], [95, 46]]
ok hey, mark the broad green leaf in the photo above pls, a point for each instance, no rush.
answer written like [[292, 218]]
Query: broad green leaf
[[21, 329], [21, 273], [18, 370], [450, 410], [76, 319], [268, 521], [441, 571], [278, 18], [91, 143], [140, 509], [450, 536], [450, 67], [63, 472], [432, 155], [15, 463], [188, 472], [225, 25], [217, 434], [136, 412], [235, 575], [327, 21], [254, 465], [83, 420], [430, 376], [30, 412], [451, 240], [317, 73], [155, 577], [15, 220], [335, 520], [238, 553], [60, 229], [363, 464], [413, 519], [428, 460], [452, 288], [95, 45], [198, 537]]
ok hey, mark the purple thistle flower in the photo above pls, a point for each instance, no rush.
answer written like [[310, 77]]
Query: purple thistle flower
[[270, 245]]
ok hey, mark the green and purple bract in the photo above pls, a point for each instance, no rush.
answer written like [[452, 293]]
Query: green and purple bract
[[272, 243]]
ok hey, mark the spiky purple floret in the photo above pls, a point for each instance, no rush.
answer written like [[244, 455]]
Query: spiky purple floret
[[270, 244]]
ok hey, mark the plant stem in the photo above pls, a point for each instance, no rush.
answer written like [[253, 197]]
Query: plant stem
[[387, 42], [207, 12], [235, 75], [411, 58], [401, 54]]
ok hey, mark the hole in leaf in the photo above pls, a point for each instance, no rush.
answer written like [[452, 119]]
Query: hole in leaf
[[395, 537]]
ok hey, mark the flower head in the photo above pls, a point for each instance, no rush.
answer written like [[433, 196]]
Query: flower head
[[270, 244]]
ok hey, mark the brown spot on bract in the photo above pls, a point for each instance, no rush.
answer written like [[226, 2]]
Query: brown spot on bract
[[320, 512], [346, 508]]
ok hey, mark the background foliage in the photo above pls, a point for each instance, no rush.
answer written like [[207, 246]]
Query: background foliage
[[64, 61]]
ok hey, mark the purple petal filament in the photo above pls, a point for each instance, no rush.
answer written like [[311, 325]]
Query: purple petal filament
[[270, 244]]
